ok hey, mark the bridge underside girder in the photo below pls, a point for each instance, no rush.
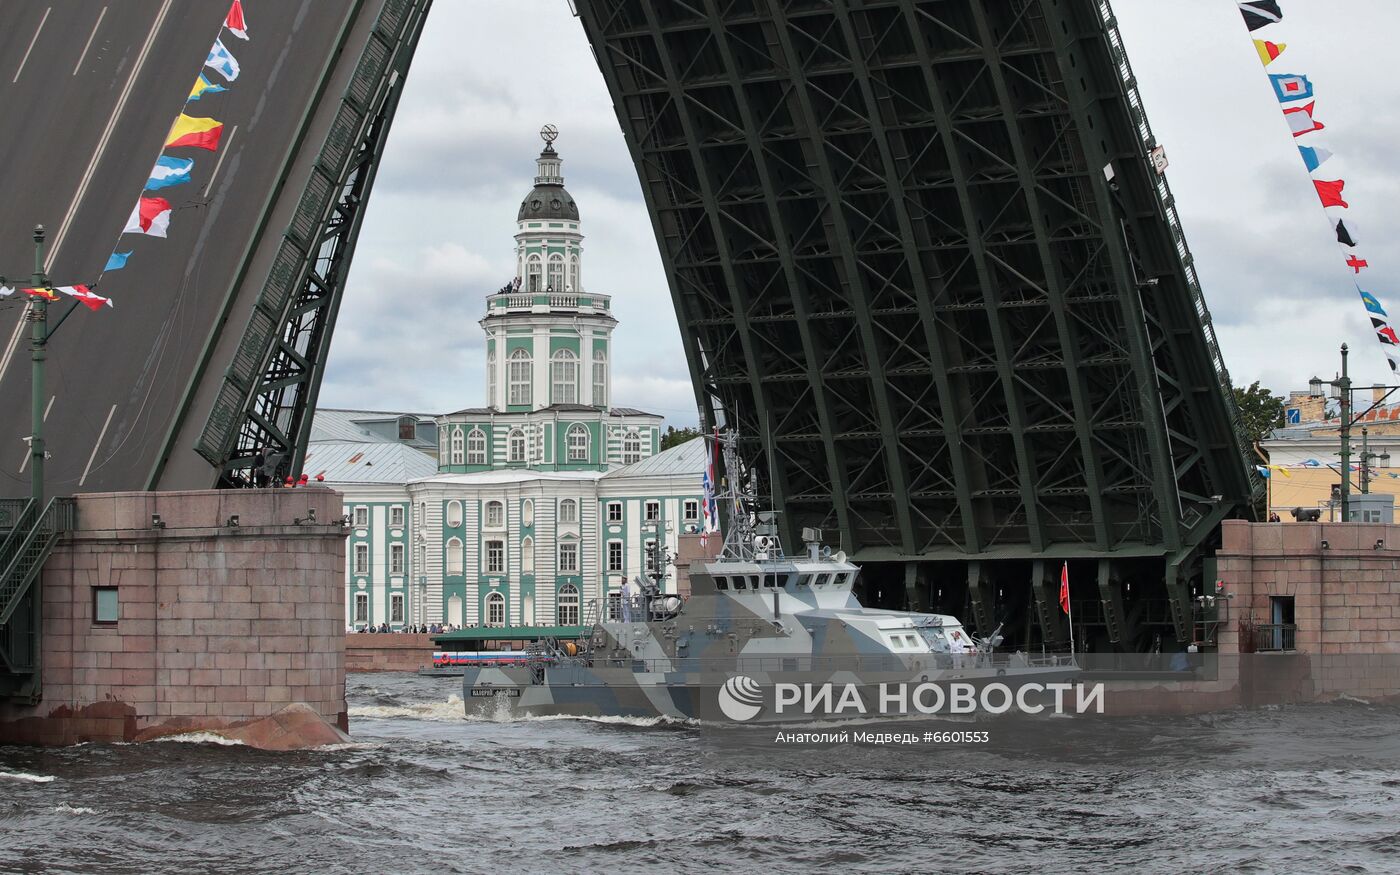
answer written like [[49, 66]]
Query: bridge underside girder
[[902, 272]]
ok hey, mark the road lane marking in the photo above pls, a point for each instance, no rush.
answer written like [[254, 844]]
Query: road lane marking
[[87, 176], [32, 41], [88, 44], [220, 163], [97, 443]]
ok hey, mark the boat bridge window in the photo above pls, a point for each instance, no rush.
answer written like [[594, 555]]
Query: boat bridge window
[[822, 579], [721, 583], [739, 583], [804, 580], [770, 581]]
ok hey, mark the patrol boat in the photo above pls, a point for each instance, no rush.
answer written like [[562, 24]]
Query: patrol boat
[[758, 629]]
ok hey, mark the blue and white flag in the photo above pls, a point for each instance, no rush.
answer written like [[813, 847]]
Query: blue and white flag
[[711, 506], [1313, 156], [1289, 87], [222, 62], [169, 171], [117, 261]]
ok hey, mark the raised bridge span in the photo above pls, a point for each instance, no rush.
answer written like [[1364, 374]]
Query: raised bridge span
[[917, 249]]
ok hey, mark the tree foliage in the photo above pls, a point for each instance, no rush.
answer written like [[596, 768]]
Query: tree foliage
[[674, 437], [1260, 410]]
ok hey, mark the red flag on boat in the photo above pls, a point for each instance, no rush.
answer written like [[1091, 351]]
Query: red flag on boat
[[1064, 588]]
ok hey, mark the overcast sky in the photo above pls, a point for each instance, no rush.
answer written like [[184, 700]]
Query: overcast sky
[[489, 73]]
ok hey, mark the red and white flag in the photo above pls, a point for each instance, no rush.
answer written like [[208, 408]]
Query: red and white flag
[[151, 216], [234, 22], [86, 296], [1300, 119]]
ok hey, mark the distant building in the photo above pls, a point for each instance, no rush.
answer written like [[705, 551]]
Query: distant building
[[542, 502]]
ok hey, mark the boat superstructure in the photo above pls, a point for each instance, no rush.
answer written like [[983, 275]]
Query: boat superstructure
[[755, 619]]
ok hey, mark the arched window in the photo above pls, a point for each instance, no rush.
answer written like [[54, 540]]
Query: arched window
[[454, 556], [491, 377], [556, 273], [532, 274], [600, 378], [568, 511], [527, 555], [574, 277], [577, 440], [565, 377], [517, 446], [457, 446], [495, 609], [476, 447], [568, 605], [454, 514], [527, 513], [495, 514], [631, 448], [520, 376]]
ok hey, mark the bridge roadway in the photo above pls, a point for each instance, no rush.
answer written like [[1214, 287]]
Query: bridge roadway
[[88, 91]]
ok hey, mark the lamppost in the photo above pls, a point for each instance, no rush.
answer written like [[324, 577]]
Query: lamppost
[[1341, 390], [1366, 457]]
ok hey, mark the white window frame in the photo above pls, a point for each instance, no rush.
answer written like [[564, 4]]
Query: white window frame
[[476, 447], [692, 510], [578, 450], [491, 377], [495, 514], [576, 273], [568, 602], [396, 517], [361, 559], [631, 448], [649, 555], [495, 610], [614, 511], [458, 452], [651, 512], [568, 549], [520, 373], [454, 560], [600, 378], [527, 555], [563, 377], [534, 273], [616, 556], [527, 512], [516, 444], [454, 514], [361, 517], [568, 512], [495, 552], [396, 559], [396, 613], [361, 607], [555, 268]]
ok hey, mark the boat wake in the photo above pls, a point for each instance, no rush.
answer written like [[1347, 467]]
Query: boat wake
[[25, 777]]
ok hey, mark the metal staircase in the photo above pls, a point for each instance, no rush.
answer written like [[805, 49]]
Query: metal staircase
[[29, 535]]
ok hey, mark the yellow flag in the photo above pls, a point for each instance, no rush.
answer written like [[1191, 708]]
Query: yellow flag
[[1269, 52]]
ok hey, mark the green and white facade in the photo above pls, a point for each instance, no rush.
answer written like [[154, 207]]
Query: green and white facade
[[547, 496]]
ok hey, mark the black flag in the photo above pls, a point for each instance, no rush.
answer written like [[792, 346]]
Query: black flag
[[1261, 13], [1346, 231]]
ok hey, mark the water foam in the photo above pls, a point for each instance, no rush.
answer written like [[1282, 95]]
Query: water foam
[[65, 808], [451, 711], [202, 738], [26, 777]]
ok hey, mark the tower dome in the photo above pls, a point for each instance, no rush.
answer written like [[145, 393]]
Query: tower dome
[[548, 199]]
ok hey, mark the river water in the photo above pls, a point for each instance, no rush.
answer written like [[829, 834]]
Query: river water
[[1301, 789]]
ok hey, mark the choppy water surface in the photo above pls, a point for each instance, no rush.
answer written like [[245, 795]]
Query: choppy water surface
[[1295, 790]]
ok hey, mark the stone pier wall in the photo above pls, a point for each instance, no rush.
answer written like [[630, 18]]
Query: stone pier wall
[[218, 625], [392, 652]]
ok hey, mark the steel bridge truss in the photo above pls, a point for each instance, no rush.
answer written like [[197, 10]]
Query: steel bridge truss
[[269, 393], [903, 272]]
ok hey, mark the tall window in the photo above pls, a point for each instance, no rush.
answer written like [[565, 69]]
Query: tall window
[[476, 447], [653, 511], [495, 514], [577, 439], [568, 605], [495, 557], [396, 516], [362, 559], [495, 609], [568, 557], [361, 517], [631, 448], [396, 608], [396, 558], [649, 550], [361, 607], [457, 447], [527, 512], [533, 280], [454, 514], [519, 376], [614, 511], [527, 555], [568, 511], [600, 378], [517, 446], [614, 555], [575, 278], [556, 273], [565, 377], [454, 556], [491, 377]]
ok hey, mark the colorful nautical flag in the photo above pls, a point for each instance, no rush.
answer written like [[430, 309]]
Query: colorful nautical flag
[[234, 22], [1260, 13], [1300, 119], [1262, 470], [86, 297], [151, 217], [221, 61], [203, 86], [1064, 587], [169, 171], [1269, 52], [1313, 156], [1282, 470], [196, 133], [1289, 87], [1385, 332], [711, 506], [1346, 231], [116, 261], [1357, 264], [6, 291], [1372, 304], [1330, 192], [46, 293]]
